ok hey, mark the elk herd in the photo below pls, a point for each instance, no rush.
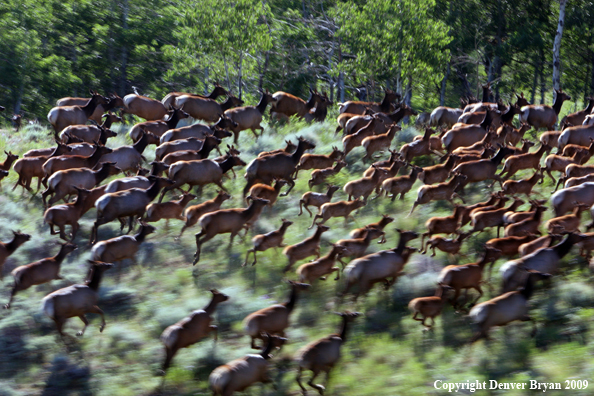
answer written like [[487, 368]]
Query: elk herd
[[473, 144]]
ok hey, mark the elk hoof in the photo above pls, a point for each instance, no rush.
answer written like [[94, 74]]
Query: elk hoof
[[80, 333]]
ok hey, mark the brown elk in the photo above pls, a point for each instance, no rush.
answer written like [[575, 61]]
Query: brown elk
[[63, 162], [8, 248], [357, 107], [265, 191], [444, 116], [442, 225], [273, 319], [492, 218], [543, 116], [279, 166], [467, 135], [445, 191], [113, 101], [30, 167], [323, 354], [122, 247], [523, 186], [91, 133], [62, 116], [401, 184], [63, 183], [429, 307], [159, 127], [143, 107], [169, 99], [318, 269], [249, 117], [337, 209], [128, 203], [364, 187], [225, 221], [440, 172], [206, 109], [287, 105], [451, 246], [375, 229], [523, 161], [76, 300], [264, 242], [194, 212], [168, 210], [68, 214], [320, 112], [316, 199], [318, 161], [310, 246], [319, 176], [191, 329], [351, 141], [199, 131], [39, 272]]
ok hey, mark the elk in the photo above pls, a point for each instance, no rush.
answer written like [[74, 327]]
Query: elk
[[122, 247], [113, 101], [168, 210], [194, 212], [505, 308], [249, 117], [543, 116], [480, 170], [440, 172], [159, 127], [39, 272], [239, 374], [567, 223], [89, 133], [444, 116], [543, 260], [429, 307], [308, 247], [401, 184], [576, 181], [439, 191], [526, 144], [320, 112], [10, 158], [527, 226], [550, 138], [318, 161], [226, 221], [509, 246], [200, 172], [364, 187], [580, 135], [217, 91], [289, 149], [575, 170], [273, 319], [67, 214], [554, 162], [266, 241], [179, 145], [63, 162], [467, 135], [514, 136], [379, 142], [323, 354], [128, 203], [143, 107], [356, 107], [539, 243], [523, 161], [375, 229], [492, 218], [191, 329], [280, 166], [62, 116], [417, 147], [76, 300], [351, 141], [265, 191], [138, 181], [467, 276], [8, 248], [199, 131], [523, 186], [384, 266], [287, 105], [63, 183], [316, 199], [30, 167], [442, 225], [563, 200], [451, 246], [319, 176], [337, 209], [318, 269], [206, 109], [204, 149]]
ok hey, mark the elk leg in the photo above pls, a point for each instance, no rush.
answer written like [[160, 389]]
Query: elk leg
[[298, 378], [417, 319], [317, 387], [86, 322], [478, 289], [169, 354], [97, 310], [291, 184], [214, 329], [247, 256], [74, 231], [337, 270], [317, 216]]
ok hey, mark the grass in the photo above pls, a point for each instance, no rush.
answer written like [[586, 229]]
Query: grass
[[387, 353]]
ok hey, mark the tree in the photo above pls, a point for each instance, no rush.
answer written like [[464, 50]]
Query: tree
[[557, 46]]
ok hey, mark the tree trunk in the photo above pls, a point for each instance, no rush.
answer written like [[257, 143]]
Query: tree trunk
[[239, 77], [535, 80], [205, 82], [542, 80], [444, 83], [124, 61], [557, 46], [408, 97]]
